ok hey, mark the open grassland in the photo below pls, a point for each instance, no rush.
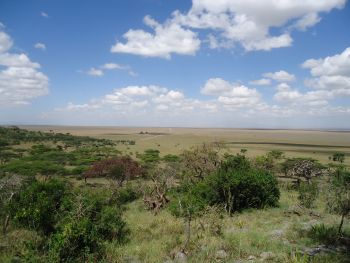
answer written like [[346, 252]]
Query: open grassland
[[294, 143]]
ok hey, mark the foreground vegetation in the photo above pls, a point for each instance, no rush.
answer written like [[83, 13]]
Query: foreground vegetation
[[67, 198]]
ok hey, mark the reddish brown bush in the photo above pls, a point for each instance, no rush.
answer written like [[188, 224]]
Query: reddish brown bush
[[121, 169]]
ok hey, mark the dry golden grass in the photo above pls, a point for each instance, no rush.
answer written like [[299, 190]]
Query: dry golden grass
[[295, 143]]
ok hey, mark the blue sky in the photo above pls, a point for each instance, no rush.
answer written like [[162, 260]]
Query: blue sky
[[224, 63]]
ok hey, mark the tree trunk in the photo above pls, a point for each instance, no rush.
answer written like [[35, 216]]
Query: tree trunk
[[341, 224], [188, 232], [6, 224]]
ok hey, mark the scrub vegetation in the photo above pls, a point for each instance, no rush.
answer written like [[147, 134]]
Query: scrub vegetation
[[69, 198]]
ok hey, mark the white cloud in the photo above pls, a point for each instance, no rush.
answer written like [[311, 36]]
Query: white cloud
[[216, 86], [140, 100], [248, 22], [44, 14], [285, 94], [5, 42], [269, 43], [261, 82], [232, 105], [17, 60], [20, 79], [100, 71], [231, 95], [41, 46], [280, 76], [151, 90], [331, 73], [330, 66], [170, 97], [113, 66], [167, 39], [307, 21], [95, 72]]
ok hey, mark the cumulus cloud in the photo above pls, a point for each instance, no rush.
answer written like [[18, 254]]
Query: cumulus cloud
[[336, 65], [156, 105], [307, 21], [20, 78], [229, 22], [41, 46], [231, 95], [280, 76], [113, 66], [285, 94], [166, 39], [148, 101], [100, 71], [331, 73], [249, 22], [95, 72], [261, 82], [5, 42]]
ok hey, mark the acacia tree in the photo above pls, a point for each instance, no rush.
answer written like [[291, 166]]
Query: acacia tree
[[298, 168], [120, 169], [200, 161], [155, 196], [338, 157]]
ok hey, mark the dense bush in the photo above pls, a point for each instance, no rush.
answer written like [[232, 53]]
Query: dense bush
[[308, 193], [150, 156], [36, 206], [234, 189], [325, 234], [120, 169], [31, 168], [126, 194], [86, 224], [235, 162], [240, 189], [170, 158], [339, 195]]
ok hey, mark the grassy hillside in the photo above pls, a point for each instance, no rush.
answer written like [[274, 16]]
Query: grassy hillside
[[234, 201]]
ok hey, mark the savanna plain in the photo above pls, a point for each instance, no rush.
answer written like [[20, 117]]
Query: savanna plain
[[138, 194]]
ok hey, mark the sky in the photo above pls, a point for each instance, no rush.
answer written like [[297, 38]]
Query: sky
[[199, 63]]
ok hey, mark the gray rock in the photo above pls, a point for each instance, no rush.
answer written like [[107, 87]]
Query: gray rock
[[312, 251], [267, 255], [251, 258], [308, 225], [221, 254], [180, 257], [277, 233]]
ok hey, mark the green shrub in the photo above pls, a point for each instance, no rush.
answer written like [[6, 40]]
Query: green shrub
[[77, 241], [87, 222], [36, 205], [111, 225], [171, 158], [240, 189], [235, 162], [308, 193], [79, 170], [325, 234], [235, 190], [150, 156], [185, 201], [126, 194]]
